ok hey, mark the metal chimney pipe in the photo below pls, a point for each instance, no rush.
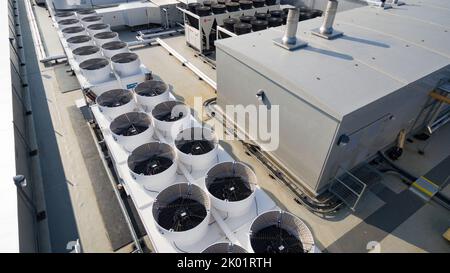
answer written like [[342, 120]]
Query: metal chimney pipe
[[289, 40], [290, 33], [330, 14], [326, 30]]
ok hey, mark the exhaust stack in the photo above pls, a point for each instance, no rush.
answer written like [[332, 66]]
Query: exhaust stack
[[326, 30], [289, 40]]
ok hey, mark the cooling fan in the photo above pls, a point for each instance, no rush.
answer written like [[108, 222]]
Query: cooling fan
[[154, 165], [181, 214], [196, 147], [275, 239], [231, 188]]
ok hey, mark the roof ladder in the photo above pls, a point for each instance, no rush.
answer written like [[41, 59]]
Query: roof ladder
[[436, 111], [348, 187]]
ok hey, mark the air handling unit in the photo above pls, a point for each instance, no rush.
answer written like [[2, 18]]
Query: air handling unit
[[341, 99], [142, 13]]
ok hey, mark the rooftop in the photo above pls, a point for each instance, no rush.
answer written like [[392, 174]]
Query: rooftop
[[380, 53], [389, 213]]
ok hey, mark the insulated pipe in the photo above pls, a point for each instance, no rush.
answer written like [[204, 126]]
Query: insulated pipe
[[330, 14], [291, 27]]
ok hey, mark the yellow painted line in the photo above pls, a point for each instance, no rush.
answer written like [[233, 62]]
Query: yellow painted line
[[429, 181], [447, 235], [427, 192]]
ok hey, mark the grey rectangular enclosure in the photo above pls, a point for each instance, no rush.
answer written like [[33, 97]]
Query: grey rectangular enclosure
[[360, 89]]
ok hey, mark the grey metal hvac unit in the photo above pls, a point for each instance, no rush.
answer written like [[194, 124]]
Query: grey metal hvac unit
[[342, 100], [160, 12]]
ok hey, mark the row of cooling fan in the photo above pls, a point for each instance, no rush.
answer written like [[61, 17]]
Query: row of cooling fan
[[97, 50], [182, 210]]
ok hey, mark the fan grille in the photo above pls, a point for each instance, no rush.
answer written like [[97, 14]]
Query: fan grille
[[196, 147], [132, 130], [94, 64], [181, 214], [151, 88], [231, 188], [86, 50], [274, 239], [114, 45], [68, 22], [91, 19], [130, 124], [152, 166], [63, 14], [97, 26], [79, 39], [115, 98], [169, 117], [70, 30], [165, 111], [123, 58], [105, 35], [224, 248]]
